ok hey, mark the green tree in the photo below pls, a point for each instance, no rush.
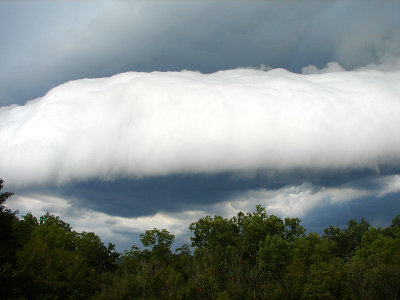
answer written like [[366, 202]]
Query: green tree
[[235, 253], [154, 273], [160, 242], [274, 256], [347, 240], [47, 272], [182, 260], [59, 263], [213, 233], [375, 267], [9, 244], [24, 228], [7, 220], [97, 255], [394, 229], [315, 273]]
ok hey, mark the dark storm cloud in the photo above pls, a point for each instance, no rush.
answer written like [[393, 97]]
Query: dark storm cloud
[[196, 35], [147, 196], [378, 211]]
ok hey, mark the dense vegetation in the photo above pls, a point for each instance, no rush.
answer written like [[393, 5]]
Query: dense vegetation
[[250, 256]]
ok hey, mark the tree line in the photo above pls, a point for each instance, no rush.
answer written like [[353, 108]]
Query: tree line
[[252, 255]]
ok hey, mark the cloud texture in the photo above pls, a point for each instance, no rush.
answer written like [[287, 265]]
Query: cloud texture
[[145, 124]]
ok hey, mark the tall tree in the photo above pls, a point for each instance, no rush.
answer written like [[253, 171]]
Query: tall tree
[[346, 240], [8, 244], [375, 267], [160, 242]]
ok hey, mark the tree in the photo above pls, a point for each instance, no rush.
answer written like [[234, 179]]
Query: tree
[[213, 233], [160, 242], [59, 263], [347, 240], [51, 272], [97, 255], [375, 267], [7, 219], [274, 256], [394, 229], [314, 272], [24, 228], [8, 245], [236, 253], [3, 197]]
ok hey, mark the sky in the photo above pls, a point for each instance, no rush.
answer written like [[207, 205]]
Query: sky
[[122, 116]]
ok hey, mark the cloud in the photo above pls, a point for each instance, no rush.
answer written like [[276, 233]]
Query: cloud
[[154, 124], [75, 40], [389, 64], [330, 67], [298, 200]]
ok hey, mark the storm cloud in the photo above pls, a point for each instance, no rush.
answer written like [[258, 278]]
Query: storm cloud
[[155, 124]]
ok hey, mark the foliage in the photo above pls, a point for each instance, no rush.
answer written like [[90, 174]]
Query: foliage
[[375, 267], [46, 259], [348, 239], [160, 242], [314, 272], [8, 245]]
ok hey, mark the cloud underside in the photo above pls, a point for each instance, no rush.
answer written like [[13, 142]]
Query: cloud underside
[[152, 124]]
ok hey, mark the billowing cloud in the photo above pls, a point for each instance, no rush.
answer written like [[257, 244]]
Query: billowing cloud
[[388, 65], [150, 124], [298, 200]]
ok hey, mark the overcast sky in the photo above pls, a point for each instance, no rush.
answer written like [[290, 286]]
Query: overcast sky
[[121, 116]]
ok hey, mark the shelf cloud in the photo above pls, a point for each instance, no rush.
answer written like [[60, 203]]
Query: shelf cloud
[[154, 124]]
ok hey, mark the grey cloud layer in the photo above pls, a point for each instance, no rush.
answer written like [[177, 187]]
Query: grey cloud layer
[[317, 206], [143, 124], [195, 35]]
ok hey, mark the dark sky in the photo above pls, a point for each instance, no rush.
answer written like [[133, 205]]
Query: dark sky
[[123, 154], [46, 43]]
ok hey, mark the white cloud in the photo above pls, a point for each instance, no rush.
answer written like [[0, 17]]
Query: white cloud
[[144, 124], [330, 68], [392, 185], [292, 201], [298, 200], [388, 64]]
